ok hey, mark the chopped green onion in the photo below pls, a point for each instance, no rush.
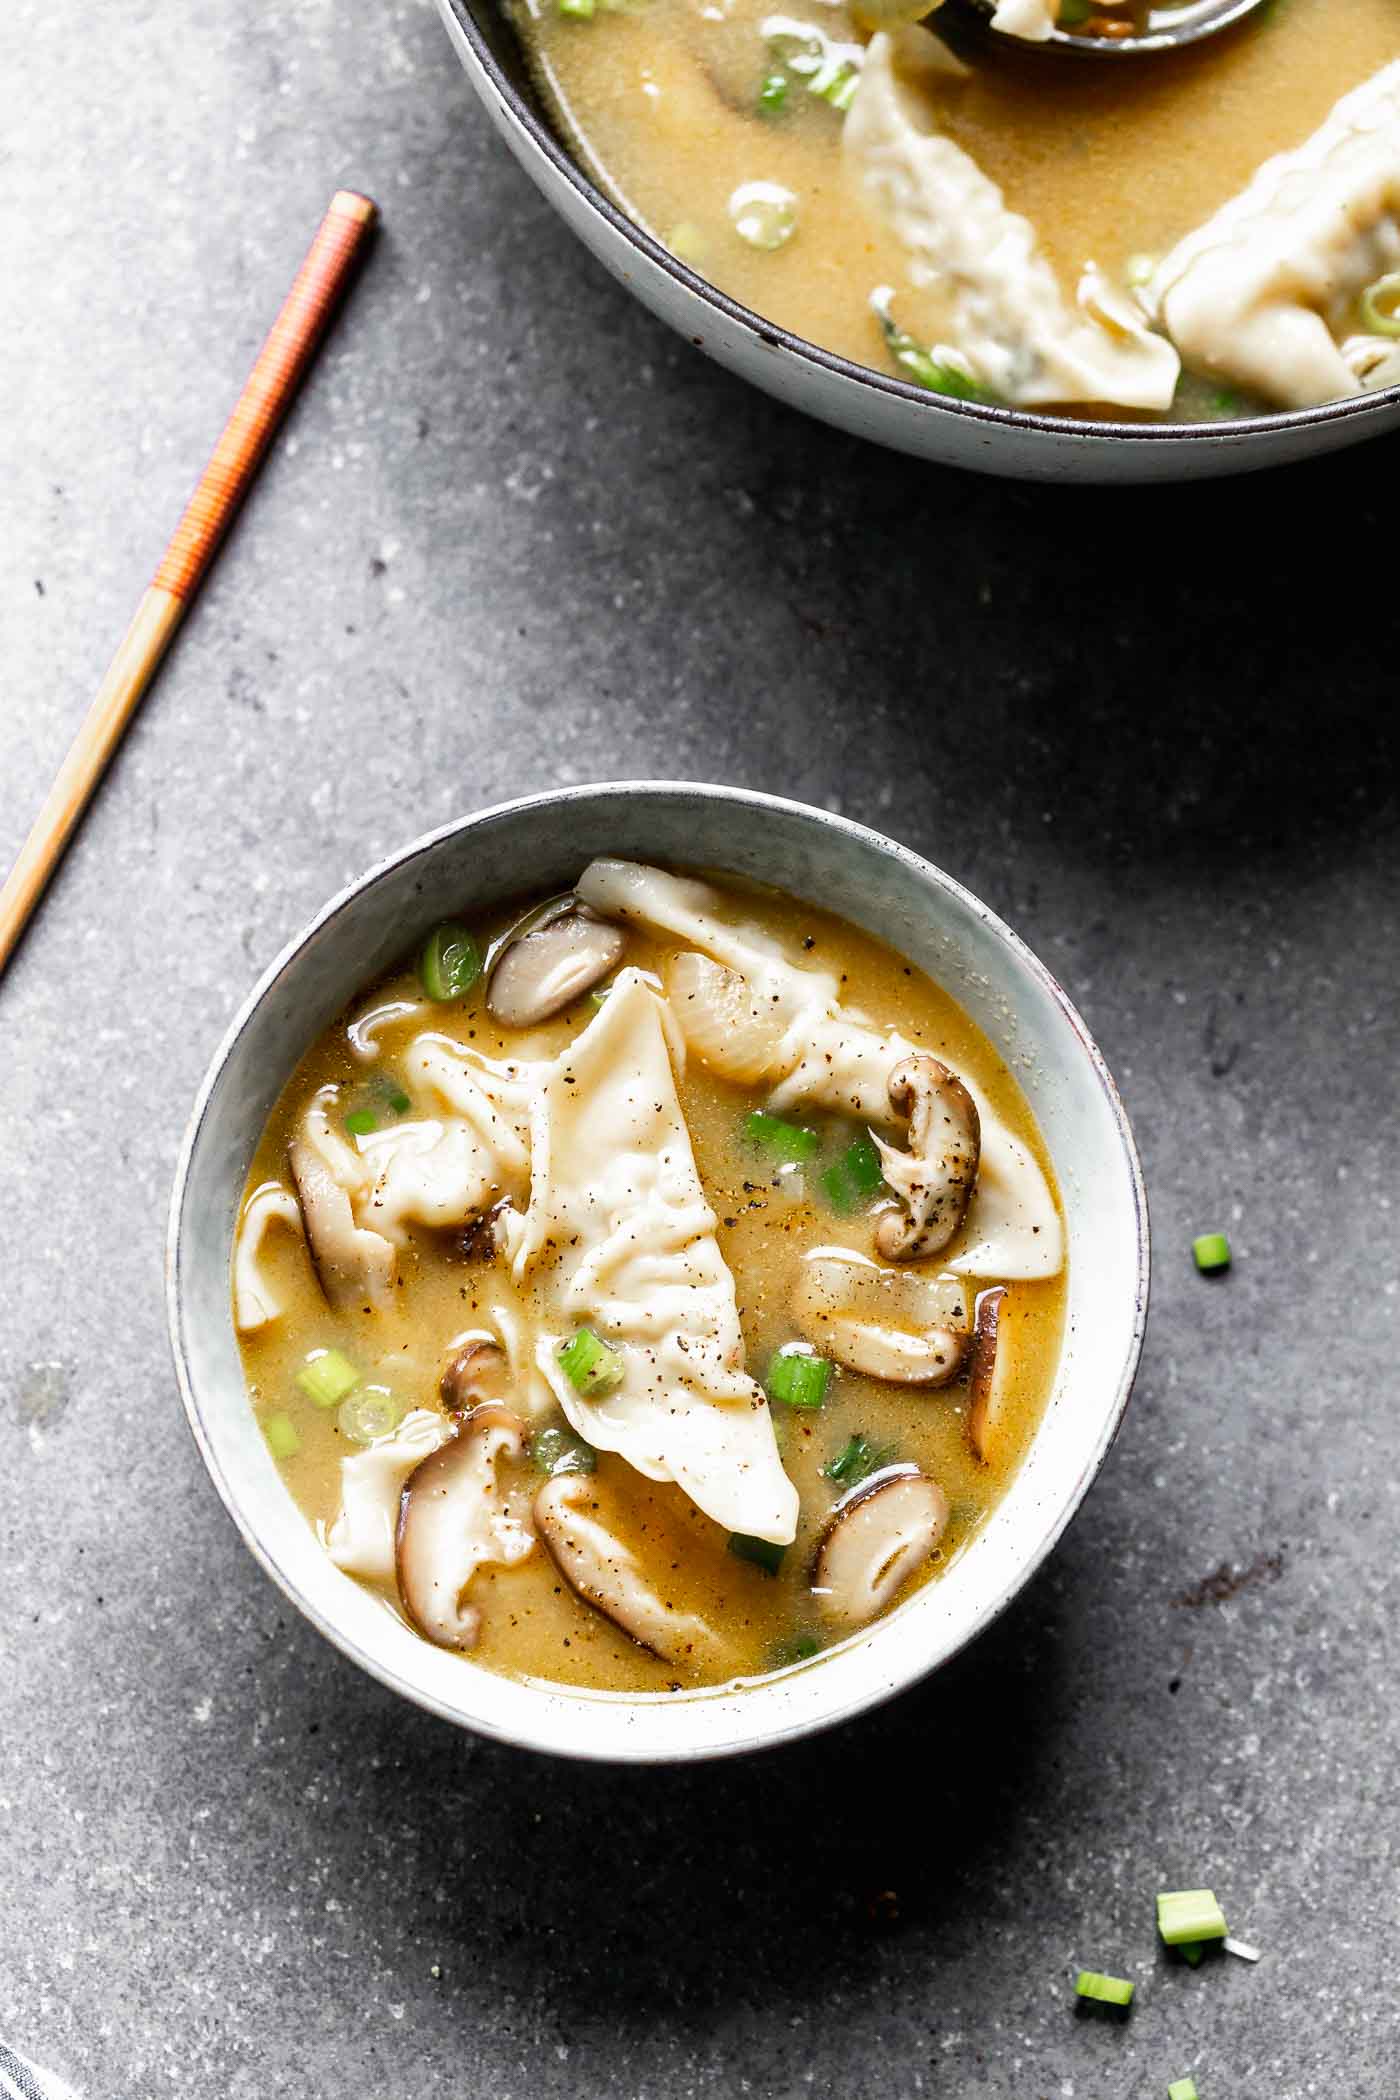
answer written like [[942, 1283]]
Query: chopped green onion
[[281, 1434], [390, 1093], [1225, 403], [856, 1177], [798, 1378], [1105, 1990], [369, 1414], [762, 1552], [1072, 12], [839, 89], [451, 961], [1212, 1251], [774, 1135], [1188, 1915], [773, 94], [1379, 319], [361, 1121], [763, 213], [1182, 2089], [796, 1648], [558, 1450], [857, 1460], [923, 368], [589, 1364], [1191, 1951], [578, 10], [599, 999], [1242, 1949], [687, 242], [327, 1376]]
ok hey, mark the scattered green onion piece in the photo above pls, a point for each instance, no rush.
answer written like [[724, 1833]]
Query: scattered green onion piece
[[773, 94], [1225, 403], [1104, 1990], [798, 1378], [558, 1450], [762, 1552], [687, 242], [327, 1377], [589, 1364], [451, 961], [578, 10], [763, 214], [1242, 1949], [774, 1135], [391, 1093], [1212, 1251], [281, 1434], [862, 1163], [1191, 1951], [361, 1121], [371, 1413], [1182, 2089], [599, 999], [797, 1648], [925, 370], [1378, 319], [838, 1189], [857, 1460], [1071, 13], [839, 88], [1188, 1915]]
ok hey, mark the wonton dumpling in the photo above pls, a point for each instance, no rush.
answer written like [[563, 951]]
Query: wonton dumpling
[[1003, 312], [448, 1170], [1260, 293], [619, 1237], [823, 1057]]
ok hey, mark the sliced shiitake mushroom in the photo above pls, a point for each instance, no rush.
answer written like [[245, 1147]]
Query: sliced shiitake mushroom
[[892, 1324], [989, 1371], [935, 1174], [573, 1519], [476, 1373], [353, 1265], [875, 1539], [551, 957], [454, 1516]]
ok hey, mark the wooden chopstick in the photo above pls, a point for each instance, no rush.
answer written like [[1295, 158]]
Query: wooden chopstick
[[280, 367]]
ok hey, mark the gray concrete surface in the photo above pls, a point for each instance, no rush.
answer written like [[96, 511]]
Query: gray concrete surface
[[516, 535]]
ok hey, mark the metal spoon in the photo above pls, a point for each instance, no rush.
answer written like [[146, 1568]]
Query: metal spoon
[[1166, 28]]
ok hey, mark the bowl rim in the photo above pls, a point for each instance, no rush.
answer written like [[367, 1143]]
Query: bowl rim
[[873, 1694], [775, 337]]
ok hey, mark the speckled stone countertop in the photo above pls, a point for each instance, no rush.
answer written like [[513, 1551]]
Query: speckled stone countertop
[[516, 534]]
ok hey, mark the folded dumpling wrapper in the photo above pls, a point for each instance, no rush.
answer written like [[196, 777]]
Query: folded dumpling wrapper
[[619, 1237], [255, 1300], [1005, 318], [361, 1536], [448, 1169], [820, 1055], [1262, 292]]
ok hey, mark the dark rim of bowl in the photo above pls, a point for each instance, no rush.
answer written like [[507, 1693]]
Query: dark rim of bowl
[[346, 900], [774, 337]]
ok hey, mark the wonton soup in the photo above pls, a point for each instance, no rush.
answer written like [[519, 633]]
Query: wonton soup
[[651, 1288], [1210, 234]]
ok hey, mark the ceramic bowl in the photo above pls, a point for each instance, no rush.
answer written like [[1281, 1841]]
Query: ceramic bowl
[[1021, 443], [541, 843]]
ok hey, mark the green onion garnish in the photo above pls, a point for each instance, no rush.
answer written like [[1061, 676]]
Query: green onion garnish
[[798, 1378], [857, 1460], [1212, 1251], [369, 1414], [1382, 319], [327, 1377], [451, 961], [1188, 1915], [580, 10], [361, 1121], [281, 1434], [856, 1177], [796, 1648], [558, 1450], [1182, 2089], [762, 1552], [840, 89], [786, 1139], [1104, 1990], [390, 1093], [924, 369], [1072, 12], [773, 94], [589, 1364], [1191, 1951]]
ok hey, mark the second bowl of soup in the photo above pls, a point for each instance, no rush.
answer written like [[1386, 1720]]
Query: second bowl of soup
[[664, 1303]]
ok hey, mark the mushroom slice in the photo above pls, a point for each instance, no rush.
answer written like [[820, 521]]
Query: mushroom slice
[[989, 1371], [569, 1517], [874, 1540], [354, 1266], [552, 957], [886, 1323], [476, 1373], [455, 1515], [936, 1172]]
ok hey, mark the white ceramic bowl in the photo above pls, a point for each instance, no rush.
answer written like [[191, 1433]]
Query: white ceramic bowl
[[541, 843], [1021, 443]]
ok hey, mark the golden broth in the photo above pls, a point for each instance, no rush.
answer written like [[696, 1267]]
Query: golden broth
[[1108, 161], [533, 1625]]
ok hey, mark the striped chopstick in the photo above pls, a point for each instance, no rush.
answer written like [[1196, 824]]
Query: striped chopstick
[[281, 364]]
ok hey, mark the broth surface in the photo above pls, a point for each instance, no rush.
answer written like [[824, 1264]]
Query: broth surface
[[533, 1625], [1109, 162]]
